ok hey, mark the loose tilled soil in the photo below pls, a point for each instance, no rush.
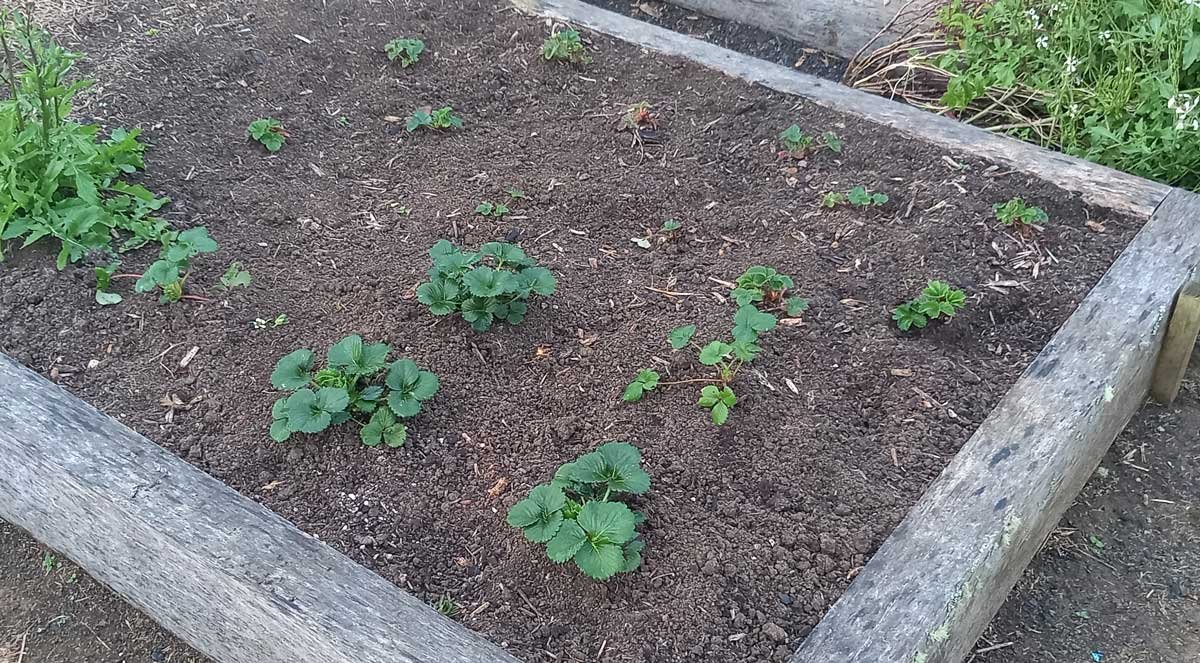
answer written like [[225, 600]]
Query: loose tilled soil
[[754, 528]]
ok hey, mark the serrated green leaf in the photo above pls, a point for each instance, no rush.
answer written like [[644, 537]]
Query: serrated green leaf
[[616, 466], [540, 514], [720, 413], [293, 370], [600, 561], [105, 298], [796, 305], [279, 408], [159, 273], [714, 353], [538, 280], [384, 428], [681, 336], [280, 430], [488, 282], [567, 541], [304, 414], [633, 555], [749, 322], [351, 356]]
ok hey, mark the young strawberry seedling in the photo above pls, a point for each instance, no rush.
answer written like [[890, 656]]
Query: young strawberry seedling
[[269, 132], [858, 196], [578, 518], [235, 277], [407, 51], [170, 271], [1016, 213], [758, 287], [938, 300], [796, 144], [492, 284], [104, 276], [345, 391], [565, 46], [495, 210], [427, 118], [262, 323]]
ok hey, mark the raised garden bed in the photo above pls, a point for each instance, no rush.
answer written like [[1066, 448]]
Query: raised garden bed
[[754, 528]]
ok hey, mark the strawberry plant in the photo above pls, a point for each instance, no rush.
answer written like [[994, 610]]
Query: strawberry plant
[[407, 51], [492, 284], [495, 210], [63, 181], [758, 292], [858, 196], [1015, 212], [235, 277], [938, 300], [577, 514], [565, 46], [832, 141], [171, 270], [766, 286], [427, 118], [347, 390], [269, 132], [796, 144]]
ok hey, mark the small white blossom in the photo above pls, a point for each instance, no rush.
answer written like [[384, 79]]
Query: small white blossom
[[1043, 41], [1070, 65], [1107, 34]]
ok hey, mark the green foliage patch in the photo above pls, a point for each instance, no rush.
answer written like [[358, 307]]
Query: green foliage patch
[[268, 132], [494, 283], [407, 51], [1014, 212], [427, 118], [347, 389], [937, 301], [577, 516], [565, 46]]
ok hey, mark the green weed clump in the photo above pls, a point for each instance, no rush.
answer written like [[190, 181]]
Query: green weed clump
[[937, 301], [577, 514], [63, 180], [1117, 83], [565, 46]]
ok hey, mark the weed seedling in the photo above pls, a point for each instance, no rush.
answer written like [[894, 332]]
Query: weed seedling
[[346, 390], [104, 276], [937, 301], [758, 292], [427, 118], [170, 271], [235, 277], [446, 606], [494, 210], [492, 284], [795, 142], [514, 193], [269, 132], [262, 323], [407, 51], [565, 46], [1016, 213], [832, 199], [577, 514], [832, 142]]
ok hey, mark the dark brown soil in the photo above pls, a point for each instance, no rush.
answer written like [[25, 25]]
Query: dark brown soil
[[754, 528], [1119, 575], [732, 35], [52, 612]]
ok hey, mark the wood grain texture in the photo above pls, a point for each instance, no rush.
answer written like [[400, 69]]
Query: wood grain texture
[[937, 581], [841, 27], [1178, 346], [1095, 184], [229, 577]]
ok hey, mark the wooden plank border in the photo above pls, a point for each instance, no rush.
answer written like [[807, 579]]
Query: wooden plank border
[[1095, 184], [229, 577]]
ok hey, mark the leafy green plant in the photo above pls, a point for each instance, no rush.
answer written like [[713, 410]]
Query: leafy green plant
[[794, 141], [492, 284], [495, 210], [262, 323], [1016, 212], [427, 118], [578, 518], [446, 606], [671, 226], [104, 275], [514, 193], [758, 292], [171, 270], [346, 390], [858, 196], [565, 46], [269, 132], [61, 180], [765, 286], [938, 300], [235, 277], [832, 141], [407, 51]]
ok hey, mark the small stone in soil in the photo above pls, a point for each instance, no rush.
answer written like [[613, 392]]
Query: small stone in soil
[[775, 632]]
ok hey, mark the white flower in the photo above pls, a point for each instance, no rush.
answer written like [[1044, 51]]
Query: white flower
[[1070, 65], [1194, 3], [1074, 110], [1107, 34], [1043, 41]]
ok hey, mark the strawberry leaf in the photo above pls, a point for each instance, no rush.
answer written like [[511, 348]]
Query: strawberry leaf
[[539, 515], [294, 370]]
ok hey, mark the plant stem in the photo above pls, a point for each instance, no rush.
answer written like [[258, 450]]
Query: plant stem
[[39, 77], [693, 380], [8, 65]]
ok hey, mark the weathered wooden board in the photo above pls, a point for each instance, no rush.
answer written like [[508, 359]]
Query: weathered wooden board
[[841, 27], [232, 579], [1095, 184], [935, 583], [1178, 346]]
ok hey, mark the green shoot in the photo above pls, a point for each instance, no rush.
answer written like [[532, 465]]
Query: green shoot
[[278, 321], [794, 141], [495, 210], [577, 517], [407, 51], [938, 300], [235, 277], [346, 390], [446, 606], [832, 142], [171, 270], [1015, 212], [427, 118], [565, 46], [269, 132], [514, 193], [858, 196]]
